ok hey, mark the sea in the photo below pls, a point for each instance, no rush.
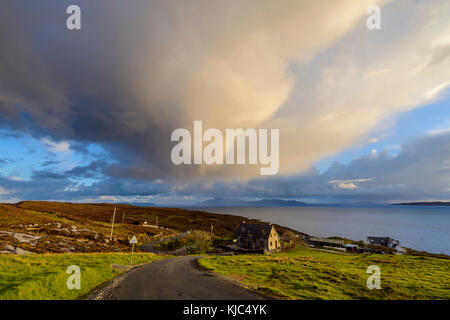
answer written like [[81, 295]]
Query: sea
[[420, 228]]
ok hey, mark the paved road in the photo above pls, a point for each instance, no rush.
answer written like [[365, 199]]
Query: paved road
[[173, 279]]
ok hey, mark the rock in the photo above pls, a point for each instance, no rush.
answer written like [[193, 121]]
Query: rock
[[23, 237], [15, 250]]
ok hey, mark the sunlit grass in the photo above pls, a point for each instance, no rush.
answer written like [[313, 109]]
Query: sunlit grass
[[310, 274], [43, 276]]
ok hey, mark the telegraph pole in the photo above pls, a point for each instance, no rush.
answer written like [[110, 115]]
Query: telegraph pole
[[112, 224], [123, 215], [212, 228]]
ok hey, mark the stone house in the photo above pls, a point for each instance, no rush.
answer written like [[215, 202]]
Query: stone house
[[254, 236]]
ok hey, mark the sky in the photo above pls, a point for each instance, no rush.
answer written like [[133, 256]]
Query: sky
[[87, 115]]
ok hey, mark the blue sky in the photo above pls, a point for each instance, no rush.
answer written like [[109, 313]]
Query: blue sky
[[405, 126], [87, 115]]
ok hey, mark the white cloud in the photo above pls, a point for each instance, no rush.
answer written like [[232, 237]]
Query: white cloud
[[349, 184], [16, 178], [439, 131], [434, 92], [3, 191], [355, 104], [59, 147]]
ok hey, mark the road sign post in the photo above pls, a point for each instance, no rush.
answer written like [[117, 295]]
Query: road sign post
[[132, 241]]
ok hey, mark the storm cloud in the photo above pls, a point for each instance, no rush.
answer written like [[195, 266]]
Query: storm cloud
[[140, 69]]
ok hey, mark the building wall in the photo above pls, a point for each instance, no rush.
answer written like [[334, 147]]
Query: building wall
[[272, 243]]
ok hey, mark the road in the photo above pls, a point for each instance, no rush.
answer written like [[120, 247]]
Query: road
[[173, 279]]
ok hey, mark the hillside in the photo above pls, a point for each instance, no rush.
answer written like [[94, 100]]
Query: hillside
[[433, 204], [43, 227]]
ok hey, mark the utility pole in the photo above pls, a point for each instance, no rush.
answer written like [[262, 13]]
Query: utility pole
[[156, 220], [212, 229], [112, 224], [123, 215]]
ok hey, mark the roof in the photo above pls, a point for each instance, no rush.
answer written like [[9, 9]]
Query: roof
[[325, 240], [255, 230], [379, 239]]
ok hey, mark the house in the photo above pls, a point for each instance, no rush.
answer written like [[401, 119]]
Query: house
[[383, 241], [254, 236], [323, 242], [146, 224]]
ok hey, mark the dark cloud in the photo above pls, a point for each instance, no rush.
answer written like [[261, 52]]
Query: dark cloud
[[93, 169], [135, 72], [420, 171], [5, 160], [50, 163], [76, 85], [42, 175]]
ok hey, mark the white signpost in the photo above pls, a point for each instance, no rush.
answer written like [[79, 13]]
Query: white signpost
[[132, 241]]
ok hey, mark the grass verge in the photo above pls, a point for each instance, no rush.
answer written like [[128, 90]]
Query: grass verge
[[309, 274], [43, 276]]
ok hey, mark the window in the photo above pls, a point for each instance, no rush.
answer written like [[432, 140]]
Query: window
[[270, 243], [276, 244]]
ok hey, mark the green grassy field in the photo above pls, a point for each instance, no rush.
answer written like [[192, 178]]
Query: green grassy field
[[309, 274], [43, 276]]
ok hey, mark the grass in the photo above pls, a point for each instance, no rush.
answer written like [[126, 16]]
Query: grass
[[197, 242], [309, 274], [43, 276]]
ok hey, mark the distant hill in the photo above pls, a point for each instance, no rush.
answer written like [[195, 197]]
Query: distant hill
[[433, 204], [219, 202], [139, 204]]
